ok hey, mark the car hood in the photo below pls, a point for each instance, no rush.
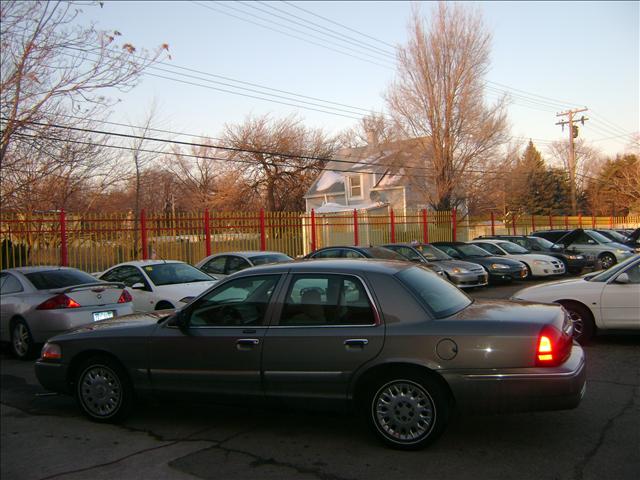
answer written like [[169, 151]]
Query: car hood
[[489, 260], [532, 256], [451, 264], [510, 311], [179, 291]]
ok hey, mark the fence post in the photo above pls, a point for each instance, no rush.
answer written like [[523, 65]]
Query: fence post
[[355, 227], [313, 230], [580, 221], [263, 236], [493, 224], [143, 234], [610, 221], [425, 226], [392, 220], [533, 223], [207, 233], [513, 224], [550, 221], [454, 225], [63, 239], [566, 222], [593, 221]]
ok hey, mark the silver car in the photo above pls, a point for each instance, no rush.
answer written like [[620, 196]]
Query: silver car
[[223, 264], [390, 339], [40, 302]]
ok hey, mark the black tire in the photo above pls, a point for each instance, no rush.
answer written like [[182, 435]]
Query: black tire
[[103, 390], [607, 260], [529, 274], [584, 327], [164, 305], [22, 345], [407, 411]]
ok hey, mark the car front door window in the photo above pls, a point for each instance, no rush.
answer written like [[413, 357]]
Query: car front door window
[[215, 265], [330, 253], [235, 264], [491, 248]]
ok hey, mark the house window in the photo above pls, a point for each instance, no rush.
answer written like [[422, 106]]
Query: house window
[[355, 186]]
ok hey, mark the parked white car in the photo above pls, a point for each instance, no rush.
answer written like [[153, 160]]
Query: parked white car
[[597, 301], [159, 284], [538, 265]]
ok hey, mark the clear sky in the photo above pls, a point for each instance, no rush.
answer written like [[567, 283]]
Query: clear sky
[[575, 53]]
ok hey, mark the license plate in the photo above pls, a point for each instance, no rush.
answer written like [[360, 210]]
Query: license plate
[[97, 316]]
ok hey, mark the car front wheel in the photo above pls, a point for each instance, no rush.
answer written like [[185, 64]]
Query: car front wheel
[[408, 412], [22, 344], [584, 328], [103, 390], [607, 261]]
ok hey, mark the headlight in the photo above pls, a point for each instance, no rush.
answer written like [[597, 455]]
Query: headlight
[[540, 262], [499, 266], [459, 270], [621, 251]]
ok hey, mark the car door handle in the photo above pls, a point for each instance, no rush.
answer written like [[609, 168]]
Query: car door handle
[[247, 342], [356, 342]]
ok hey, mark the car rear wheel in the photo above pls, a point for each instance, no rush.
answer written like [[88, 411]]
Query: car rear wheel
[[607, 261], [103, 390], [407, 412], [584, 327], [22, 344], [528, 275]]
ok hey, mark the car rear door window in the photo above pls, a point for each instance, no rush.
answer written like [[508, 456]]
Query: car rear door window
[[239, 302], [130, 275], [10, 284], [330, 253], [215, 265], [352, 254], [235, 264], [320, 300]]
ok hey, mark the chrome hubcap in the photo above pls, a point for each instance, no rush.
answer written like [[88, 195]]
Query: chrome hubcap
[[578, 324], [21, 339], [404, 411], [606, 262], [100, 391]]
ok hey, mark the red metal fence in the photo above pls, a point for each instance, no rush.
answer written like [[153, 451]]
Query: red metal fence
[[94, 242]]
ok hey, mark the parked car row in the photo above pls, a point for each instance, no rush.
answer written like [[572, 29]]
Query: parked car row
[[377, 329]]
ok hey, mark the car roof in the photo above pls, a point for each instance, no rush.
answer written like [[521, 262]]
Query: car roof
[[330, 265], [142, 263], [492, 241], [39, 268]]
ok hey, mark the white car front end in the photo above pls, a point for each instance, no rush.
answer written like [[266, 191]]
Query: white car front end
[[540, 265]]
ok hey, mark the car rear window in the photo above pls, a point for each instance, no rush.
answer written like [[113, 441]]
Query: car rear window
[[441, 297], [59, 279], [271, 258]]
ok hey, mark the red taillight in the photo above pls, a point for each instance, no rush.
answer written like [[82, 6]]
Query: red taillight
[[553, 347], [59, 301], [125, 297]]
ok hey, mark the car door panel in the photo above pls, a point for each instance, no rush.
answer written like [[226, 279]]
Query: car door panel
[[620, 302]]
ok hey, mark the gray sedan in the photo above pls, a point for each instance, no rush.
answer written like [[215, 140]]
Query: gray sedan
[[390, 339], [40, 302], [223, 264]]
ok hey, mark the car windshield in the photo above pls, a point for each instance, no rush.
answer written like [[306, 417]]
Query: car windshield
[[270, 258], [432, 253], [541, 242], [59, 279], [511, 247], [441, 297], [607, 274], [598, 237], [618, 237], [384, 253], [472, 251], [173, 273]]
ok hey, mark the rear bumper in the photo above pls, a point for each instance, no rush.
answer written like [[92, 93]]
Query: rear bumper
[[520, 390]]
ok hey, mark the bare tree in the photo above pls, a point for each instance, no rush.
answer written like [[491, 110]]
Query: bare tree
[[53, 72], [372, 130], [588, 160], [278, 157], [439, 96]]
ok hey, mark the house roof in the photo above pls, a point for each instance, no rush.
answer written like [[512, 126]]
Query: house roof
[[388, 160]]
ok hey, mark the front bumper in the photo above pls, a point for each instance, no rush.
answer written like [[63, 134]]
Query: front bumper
[[505, 275], [52, 376], [521, 390], [469, 280]]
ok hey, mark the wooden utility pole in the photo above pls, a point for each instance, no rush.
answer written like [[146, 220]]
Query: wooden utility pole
[[573, 133]]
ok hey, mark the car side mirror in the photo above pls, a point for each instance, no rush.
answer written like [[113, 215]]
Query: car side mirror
[[180, 319], [622, 278], [138, 286]]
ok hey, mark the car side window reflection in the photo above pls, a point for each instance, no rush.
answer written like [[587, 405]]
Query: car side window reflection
[[491, 248], [331, 253], [237, 303], [352, 254], [235, 264], [634, 274], [215, 265], [322, 300]]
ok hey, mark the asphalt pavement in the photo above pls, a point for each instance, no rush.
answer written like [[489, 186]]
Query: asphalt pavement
[[46, 437]]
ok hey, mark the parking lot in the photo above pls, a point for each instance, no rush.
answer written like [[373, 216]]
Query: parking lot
[[46, 437]]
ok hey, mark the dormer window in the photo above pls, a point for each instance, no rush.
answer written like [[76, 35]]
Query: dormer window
[[354, 183]]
